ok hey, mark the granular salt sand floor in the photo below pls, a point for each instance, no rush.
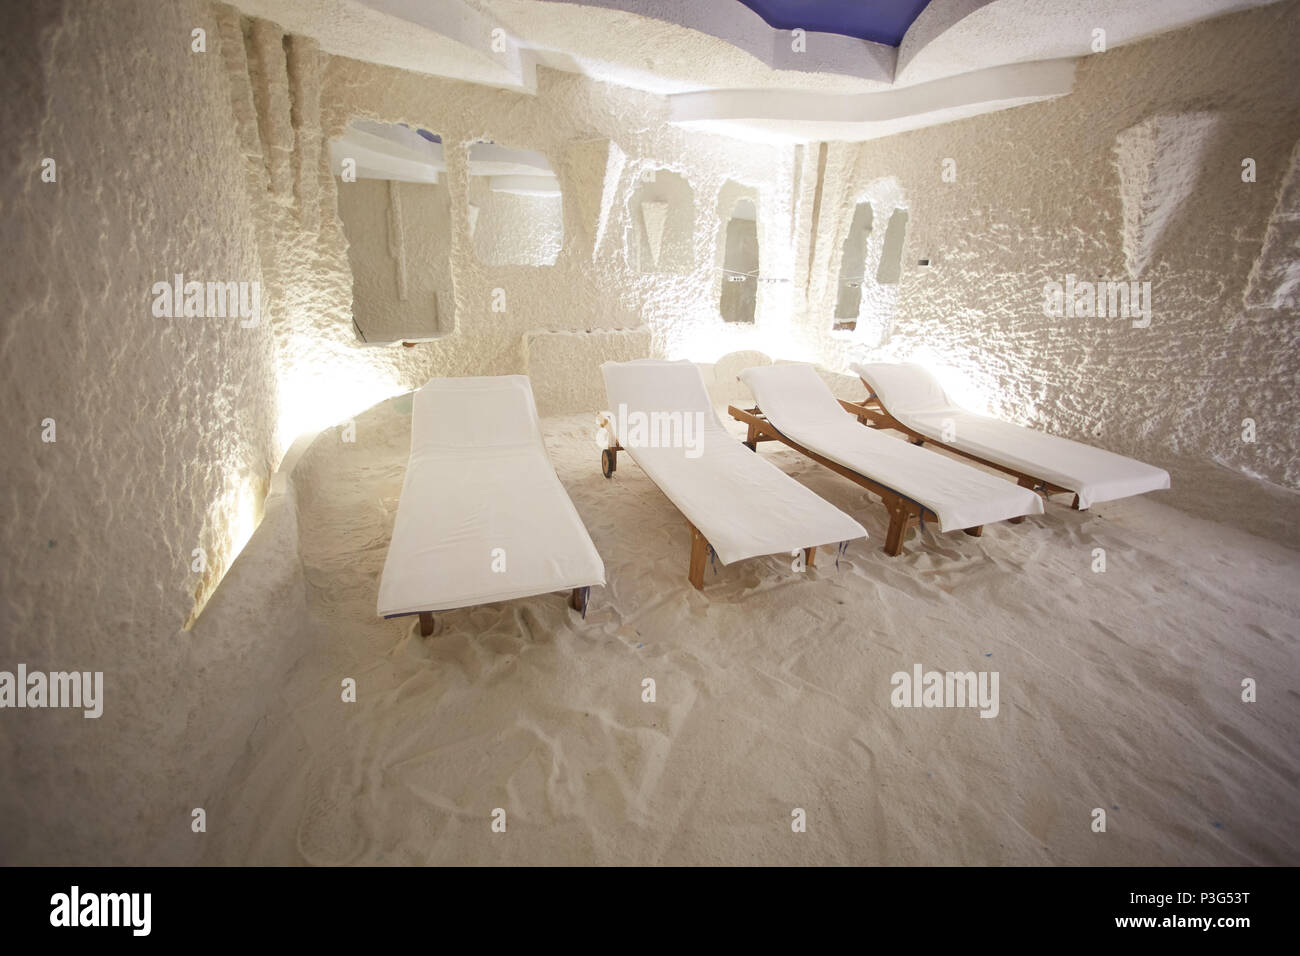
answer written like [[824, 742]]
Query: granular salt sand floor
[[1118, 690]]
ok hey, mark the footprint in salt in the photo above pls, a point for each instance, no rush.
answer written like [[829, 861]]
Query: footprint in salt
[[328, 832]]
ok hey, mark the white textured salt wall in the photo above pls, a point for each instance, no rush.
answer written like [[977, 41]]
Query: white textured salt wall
[[399, 248], [563, 364], [1055, 188], [511, 229], [164, 428], [602, 141]]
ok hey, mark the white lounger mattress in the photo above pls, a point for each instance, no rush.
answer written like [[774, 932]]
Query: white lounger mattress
[[800, 405], [912, 395], [743, 505], [479, 479]]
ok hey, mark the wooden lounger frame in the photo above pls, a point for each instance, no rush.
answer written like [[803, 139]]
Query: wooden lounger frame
[[872, 413], [699, 543], [903, 511], [578, 598]]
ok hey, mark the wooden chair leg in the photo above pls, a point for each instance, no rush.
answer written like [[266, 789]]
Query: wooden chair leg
[[898, 521], [699, 555], [426, 623], [809, 556], [976, 531], [578, 599], [1023, 482]]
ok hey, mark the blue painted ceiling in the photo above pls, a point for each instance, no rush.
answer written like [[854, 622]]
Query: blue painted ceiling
[[881, 21]]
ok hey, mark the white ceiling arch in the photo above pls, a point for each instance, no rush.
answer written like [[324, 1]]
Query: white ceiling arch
[[952, 37], [724, 69], [798, 117]]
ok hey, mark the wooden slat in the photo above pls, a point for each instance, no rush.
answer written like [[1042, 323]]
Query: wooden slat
[[871, 411], [902, 510]]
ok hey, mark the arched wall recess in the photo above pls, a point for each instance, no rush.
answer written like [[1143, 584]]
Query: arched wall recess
[[891, 256], [853, 265], [663, 221], [1159, 164], [875, 265], [738, 300], [654, 215]]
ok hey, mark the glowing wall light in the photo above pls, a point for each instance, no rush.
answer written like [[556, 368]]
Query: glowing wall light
[[960, 381], [231, 521], [246, 517], [311, 400], [709, 342]]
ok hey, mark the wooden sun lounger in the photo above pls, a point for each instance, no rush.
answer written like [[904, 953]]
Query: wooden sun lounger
[[699, 556], [458, 505], [737, 506], [872, 413], [903, 511]]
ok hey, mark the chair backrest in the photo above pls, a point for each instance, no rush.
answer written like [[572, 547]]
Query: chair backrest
[[671, 397], [795, 393], [904, 387], [657, 385], [481, 412]]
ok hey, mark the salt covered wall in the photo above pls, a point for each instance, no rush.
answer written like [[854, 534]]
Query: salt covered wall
[[514, 229], [138, 448], [399, 246], [601, 141], [1138, 174]]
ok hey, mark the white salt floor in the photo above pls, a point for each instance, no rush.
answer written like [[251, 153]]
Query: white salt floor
[[1119, 690]]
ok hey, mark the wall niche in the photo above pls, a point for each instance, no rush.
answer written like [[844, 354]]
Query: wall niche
[[891, 255], [663, 219], [870, 267], [738, 298], [853, 268], [396, 214]]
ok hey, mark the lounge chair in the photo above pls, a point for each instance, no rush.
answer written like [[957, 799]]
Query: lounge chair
[[482, 517], [734, 502], [907, 397], [796, 407]]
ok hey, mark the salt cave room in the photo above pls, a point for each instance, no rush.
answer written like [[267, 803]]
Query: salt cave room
[[650, 433]]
